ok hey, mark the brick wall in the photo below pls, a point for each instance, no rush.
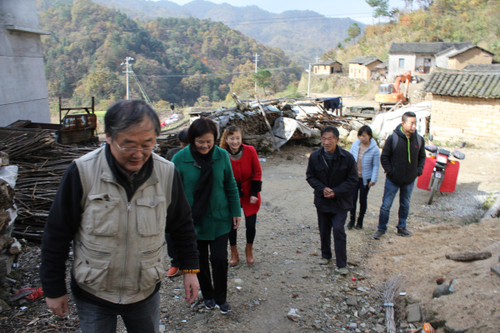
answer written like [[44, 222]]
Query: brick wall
[[465, 117]]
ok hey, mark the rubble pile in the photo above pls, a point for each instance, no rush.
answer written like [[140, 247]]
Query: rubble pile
[[267, 125], [41, 162]]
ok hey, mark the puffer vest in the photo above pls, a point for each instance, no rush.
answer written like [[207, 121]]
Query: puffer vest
[[119, 249]]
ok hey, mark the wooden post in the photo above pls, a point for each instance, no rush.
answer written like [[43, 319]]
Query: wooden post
[[268, 126]]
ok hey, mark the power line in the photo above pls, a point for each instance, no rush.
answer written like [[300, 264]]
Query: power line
[[216, 74]]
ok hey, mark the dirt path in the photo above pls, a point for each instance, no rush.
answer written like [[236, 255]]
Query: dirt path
[[286, 274]]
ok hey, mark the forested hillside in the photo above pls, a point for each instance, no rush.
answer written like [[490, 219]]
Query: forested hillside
[[176, 60], [302, 34], [477, 21]]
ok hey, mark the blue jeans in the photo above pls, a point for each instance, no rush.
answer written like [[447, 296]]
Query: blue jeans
[[140, 317], [390, 191]]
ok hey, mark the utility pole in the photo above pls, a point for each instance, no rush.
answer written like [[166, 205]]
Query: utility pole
[[309, 82], [127, 69], [256, 61]]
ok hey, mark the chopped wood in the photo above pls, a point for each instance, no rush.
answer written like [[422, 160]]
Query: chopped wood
[[469, 256]]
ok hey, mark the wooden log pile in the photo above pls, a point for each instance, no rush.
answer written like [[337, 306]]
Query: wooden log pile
[[42, 163]]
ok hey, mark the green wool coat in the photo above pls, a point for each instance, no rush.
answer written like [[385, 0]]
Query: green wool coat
[[224, 200]]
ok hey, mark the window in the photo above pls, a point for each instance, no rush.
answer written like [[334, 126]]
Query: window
[[401, 63]]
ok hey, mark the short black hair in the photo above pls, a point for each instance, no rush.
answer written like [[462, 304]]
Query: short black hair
[[183, 136], [365, 129], [125, 114], [331, 129], [407, 115], [199, 127]]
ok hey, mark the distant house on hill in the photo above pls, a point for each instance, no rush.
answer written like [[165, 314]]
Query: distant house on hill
[[465, 103], [362, 67], [423, 57], [23, 88], [327, 67]]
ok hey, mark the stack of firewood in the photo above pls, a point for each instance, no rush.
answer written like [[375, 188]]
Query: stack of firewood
[[42, 163]]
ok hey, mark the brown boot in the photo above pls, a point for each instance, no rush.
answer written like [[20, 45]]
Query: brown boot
[[234, 256], [249, 254]]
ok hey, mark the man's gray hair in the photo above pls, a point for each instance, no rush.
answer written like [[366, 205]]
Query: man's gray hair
[[125, 114]]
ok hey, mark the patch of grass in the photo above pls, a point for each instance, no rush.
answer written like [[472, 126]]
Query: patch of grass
[[490, 200]]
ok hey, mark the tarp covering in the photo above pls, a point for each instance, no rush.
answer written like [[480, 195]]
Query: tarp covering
[[385, 123]]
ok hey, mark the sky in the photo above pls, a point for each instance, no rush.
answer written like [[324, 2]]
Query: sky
[[358, 10]]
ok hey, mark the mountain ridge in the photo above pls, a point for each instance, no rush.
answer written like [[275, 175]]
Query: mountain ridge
[[303, 35]]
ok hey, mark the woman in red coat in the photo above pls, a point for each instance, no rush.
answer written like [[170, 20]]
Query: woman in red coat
[[248, 175]]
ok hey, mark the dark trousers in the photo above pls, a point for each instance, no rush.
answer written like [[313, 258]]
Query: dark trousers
[[218, 259], [327, 221], [172, 252], [140, 317], [250, 222], [363, 199]]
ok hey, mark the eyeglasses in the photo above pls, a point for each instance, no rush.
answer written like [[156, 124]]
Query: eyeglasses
[[134, 150]]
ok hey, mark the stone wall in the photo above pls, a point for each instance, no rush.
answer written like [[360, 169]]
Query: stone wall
[[465, 117]]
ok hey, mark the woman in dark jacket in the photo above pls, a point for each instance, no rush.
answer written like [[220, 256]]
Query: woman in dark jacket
[[211, 191], [248, 175]]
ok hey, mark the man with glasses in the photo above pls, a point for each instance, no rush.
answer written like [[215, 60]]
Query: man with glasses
[[116, 204]]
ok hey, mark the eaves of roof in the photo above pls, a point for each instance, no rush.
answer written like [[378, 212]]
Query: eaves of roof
[[464, 84]]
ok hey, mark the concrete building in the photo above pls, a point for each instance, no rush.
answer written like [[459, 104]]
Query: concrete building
[[363, 67], [23, 87], [422, 58], [327, 67], [465, 104]]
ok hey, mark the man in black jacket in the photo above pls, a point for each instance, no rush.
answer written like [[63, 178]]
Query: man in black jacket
[[403, 159], [333, 174]]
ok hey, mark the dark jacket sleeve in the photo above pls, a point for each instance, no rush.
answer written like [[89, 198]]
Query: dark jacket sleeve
[[311, 175], [421, 158], [181, 227], [346, 187], [62, 224], [385, 158]]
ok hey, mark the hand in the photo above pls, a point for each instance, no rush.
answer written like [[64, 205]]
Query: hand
[[327, 192], [253, 200], [191, 287], [371, 184], [58, 306], [236, 222]]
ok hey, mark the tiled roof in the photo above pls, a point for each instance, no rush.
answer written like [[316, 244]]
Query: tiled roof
[[365, 61], [326, 62], [482, 68], [427, 48], [465, 49], [464, 84]]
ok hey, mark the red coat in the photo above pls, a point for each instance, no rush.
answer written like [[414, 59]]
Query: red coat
[[246, 169]]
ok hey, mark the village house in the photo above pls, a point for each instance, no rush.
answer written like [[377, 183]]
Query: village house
[[363, 67], [422, 58], [23, 88], [327, 67], [465, 104]]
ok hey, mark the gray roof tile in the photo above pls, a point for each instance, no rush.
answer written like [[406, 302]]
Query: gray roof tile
[[365, 61], [464, 84], [427, 48]]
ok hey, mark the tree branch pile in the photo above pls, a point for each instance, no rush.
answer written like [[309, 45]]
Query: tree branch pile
[[42, 163]]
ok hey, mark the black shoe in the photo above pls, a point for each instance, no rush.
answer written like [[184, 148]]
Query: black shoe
[[350, 225], [224, 308], [404, 232], [359, 223], [210, 304], [359, 227], [378, 234]]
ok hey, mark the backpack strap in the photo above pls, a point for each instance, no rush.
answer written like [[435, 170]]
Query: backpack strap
[[395, 139]]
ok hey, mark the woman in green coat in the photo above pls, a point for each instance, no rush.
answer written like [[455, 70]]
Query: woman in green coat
[[211, 190]]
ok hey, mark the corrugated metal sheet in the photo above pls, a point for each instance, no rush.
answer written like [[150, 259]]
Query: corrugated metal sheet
[[464, 84]]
